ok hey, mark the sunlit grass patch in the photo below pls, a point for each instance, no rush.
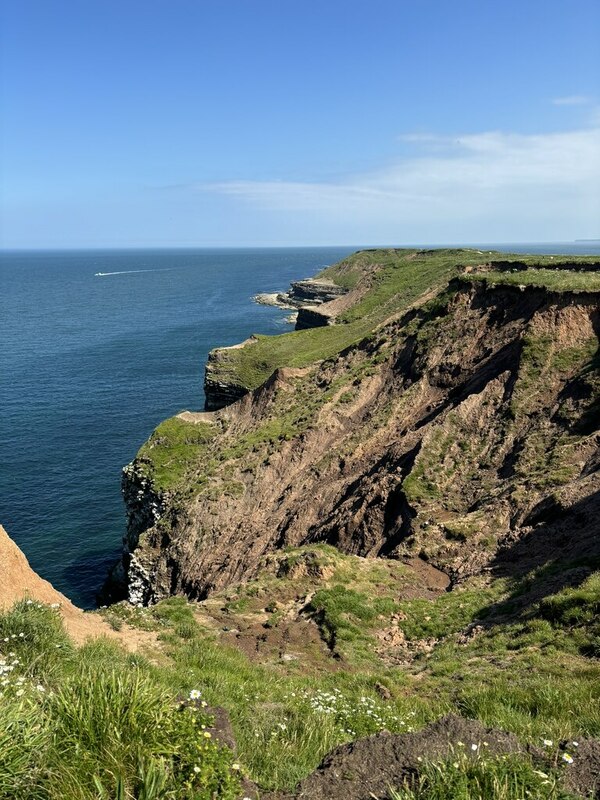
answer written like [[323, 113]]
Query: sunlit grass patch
[[97, 722], [500, 778]]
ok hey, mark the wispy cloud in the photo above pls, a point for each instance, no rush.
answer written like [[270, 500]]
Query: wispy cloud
[[480, 163], [472, 186], [572, 100]]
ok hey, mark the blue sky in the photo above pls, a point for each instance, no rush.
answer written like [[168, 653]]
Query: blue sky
[[294, 122]]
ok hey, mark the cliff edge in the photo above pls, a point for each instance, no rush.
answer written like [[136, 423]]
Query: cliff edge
[[451, 414]]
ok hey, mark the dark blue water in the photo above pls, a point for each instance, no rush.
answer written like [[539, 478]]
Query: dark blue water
[[89, 365]]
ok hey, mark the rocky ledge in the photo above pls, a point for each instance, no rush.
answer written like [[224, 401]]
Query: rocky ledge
[[307, 292], [222, 388]]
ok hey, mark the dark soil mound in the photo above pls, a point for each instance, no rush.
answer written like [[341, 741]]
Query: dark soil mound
[[583, 776], [367, 768]]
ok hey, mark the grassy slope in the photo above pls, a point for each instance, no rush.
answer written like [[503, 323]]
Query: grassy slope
[[399, 278], [114, 717]]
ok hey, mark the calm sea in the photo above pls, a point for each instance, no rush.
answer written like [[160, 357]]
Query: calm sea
[[90, 364]]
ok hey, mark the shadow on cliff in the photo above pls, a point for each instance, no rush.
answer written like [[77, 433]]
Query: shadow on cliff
[[562, 550]]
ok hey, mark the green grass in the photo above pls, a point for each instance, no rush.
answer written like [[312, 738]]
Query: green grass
[[286, 720], [500, 778], [174, 446], [577, 609], [554, 279], [345, 615], [96, 723], [110, 725]]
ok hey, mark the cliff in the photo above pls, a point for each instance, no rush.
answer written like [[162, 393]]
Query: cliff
[[450, 415], [317, 302]]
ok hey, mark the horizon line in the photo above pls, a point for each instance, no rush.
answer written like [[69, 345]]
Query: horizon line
[[105, 248]]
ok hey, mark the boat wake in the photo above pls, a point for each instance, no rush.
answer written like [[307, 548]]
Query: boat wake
[[129, 272]]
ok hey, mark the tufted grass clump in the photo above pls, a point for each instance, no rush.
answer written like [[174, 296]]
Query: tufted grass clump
[[24, 737], [116, 727], [35, 634], [97, 723], [502, 778]]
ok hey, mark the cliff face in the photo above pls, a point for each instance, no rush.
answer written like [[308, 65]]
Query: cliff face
[[463, 425], [221, 388]]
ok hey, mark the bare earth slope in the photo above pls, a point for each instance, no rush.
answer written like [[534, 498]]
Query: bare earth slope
[[462, 429], [19, 582]]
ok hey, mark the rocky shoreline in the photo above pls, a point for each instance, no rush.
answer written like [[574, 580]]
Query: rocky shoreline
[[307, 292]]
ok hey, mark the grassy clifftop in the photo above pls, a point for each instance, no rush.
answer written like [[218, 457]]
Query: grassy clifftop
[[391, 281], [395, 278]]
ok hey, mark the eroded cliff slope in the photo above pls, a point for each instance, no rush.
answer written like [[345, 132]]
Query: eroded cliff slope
[[450, 414]]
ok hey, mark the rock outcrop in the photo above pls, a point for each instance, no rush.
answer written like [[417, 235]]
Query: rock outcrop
[[308, 292], [453, 432], [220, 388], [314, 291], [313, 318]]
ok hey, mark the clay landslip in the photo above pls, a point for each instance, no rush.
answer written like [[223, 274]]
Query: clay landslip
[[451, 414], [18, 581]]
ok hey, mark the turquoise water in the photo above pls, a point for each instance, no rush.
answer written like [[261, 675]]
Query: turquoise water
[[90, 364]]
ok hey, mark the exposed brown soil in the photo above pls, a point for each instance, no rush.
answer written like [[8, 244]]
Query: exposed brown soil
[[275, 625], [19, 582], [583, 777], [449, 435]]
